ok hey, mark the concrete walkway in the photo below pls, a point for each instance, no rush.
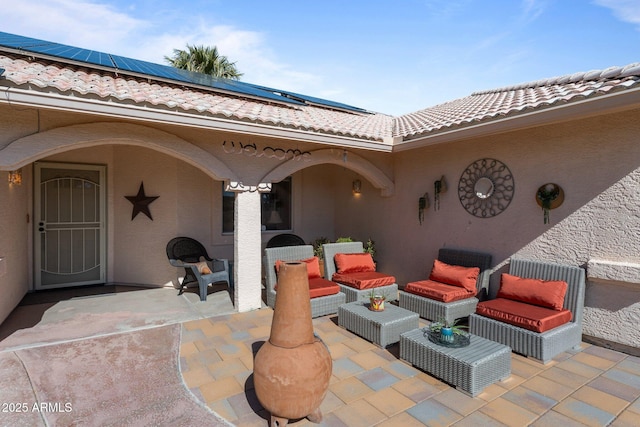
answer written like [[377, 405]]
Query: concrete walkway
[[51, 352]]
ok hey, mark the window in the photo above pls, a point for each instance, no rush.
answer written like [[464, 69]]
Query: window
[[275, 207]]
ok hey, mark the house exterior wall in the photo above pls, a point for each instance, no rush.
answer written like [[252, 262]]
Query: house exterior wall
[[14, 246], [597, 163]]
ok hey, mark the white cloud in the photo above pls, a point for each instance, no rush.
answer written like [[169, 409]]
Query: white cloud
[[624, 10], [98, 26], [78, 23]]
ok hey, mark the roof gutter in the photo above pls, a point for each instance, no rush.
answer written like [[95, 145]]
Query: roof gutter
[[52, 101], [610, 103]]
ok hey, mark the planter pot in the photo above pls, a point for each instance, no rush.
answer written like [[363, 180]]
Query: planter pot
[[446, 334], [377, 303], [293, 368]]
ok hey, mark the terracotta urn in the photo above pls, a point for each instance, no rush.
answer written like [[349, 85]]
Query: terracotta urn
[[293, 368]]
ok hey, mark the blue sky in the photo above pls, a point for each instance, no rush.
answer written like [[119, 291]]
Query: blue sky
[[394, 57]]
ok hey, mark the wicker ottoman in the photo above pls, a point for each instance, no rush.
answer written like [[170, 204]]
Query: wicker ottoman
[[469, 369], [380, 327]]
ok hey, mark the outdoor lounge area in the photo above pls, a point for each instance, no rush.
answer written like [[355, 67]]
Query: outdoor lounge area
[[211, 355]]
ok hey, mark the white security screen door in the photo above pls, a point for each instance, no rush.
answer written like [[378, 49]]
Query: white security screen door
[[69, 220]]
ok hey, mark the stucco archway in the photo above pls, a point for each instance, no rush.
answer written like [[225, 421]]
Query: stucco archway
[[346, 159], [29, 149]]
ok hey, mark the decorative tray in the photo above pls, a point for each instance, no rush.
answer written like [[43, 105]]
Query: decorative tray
[[459, 340]]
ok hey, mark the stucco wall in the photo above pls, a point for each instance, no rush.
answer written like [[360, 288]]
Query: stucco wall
[[595, 161], [14, 246]]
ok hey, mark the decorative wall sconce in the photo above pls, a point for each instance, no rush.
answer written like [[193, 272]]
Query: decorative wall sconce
[[549, 196], [439, 187], [15, 177], [356, 186], [423, 203]]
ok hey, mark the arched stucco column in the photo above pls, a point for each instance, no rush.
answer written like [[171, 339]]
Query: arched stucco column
[[344, 158], [247, 243]]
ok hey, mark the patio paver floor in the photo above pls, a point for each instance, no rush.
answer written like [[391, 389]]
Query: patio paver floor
[[371, 386]]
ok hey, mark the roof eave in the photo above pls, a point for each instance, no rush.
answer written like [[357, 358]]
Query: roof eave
[[588, 107], [52, 101]]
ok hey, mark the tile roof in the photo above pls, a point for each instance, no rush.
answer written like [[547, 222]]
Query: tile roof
[[72, 79], [499, 103], [479, 107]]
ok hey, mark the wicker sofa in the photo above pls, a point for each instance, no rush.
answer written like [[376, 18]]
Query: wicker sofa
[[352, 294], [544, 345], [434, 310], [320, 306]]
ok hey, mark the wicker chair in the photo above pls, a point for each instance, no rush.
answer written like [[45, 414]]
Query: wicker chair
[[320, 306], [546, 345], [185, 252], [436, 310], [330, 250], [286, 239]]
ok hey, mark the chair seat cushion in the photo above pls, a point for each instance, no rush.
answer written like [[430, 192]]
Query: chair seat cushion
[[320, 287], [364, 279], [523, 315], [545, 293], [438, 291], [455, 275]]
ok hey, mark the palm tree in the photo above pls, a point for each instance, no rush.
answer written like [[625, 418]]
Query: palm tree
[[206, 60]]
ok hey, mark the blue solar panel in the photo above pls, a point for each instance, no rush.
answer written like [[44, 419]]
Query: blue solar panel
[[136, 66]]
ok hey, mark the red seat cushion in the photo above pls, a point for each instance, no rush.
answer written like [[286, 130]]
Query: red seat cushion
[[456, 275], [438, 291], [320, 287], [545, 293], [354, 263], [313, 266], [364, 279], [521, 314]]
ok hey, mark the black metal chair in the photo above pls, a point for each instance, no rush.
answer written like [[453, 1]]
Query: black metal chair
[[188, 253], [286, 239]]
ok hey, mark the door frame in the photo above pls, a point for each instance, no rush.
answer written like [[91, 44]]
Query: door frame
[[102, 170]]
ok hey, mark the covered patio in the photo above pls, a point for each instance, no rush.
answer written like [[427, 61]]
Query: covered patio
[[187, 365]]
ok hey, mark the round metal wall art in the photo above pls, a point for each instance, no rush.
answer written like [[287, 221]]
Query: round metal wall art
[[486, 188]]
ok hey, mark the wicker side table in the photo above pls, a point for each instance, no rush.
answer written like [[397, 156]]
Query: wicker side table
[[469, 369], [380, 327]]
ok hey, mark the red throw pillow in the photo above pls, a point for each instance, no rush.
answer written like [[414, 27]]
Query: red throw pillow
[[313, 266], [545, 293], [354, 263], [456, 275]]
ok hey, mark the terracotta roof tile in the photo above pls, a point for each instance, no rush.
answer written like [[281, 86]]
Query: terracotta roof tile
[[476, 108], [493, 104], [71, 78]]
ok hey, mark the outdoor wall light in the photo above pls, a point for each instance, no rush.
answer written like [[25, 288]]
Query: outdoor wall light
[[356, 186], [15, 177]]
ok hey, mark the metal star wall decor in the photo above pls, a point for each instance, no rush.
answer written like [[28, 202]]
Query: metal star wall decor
[[141, 203]]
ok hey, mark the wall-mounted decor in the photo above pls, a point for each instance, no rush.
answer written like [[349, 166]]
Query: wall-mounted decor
[[141, 202], [439, 187], [549, 196], [252, 150], [486, 188], [423, 204]]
